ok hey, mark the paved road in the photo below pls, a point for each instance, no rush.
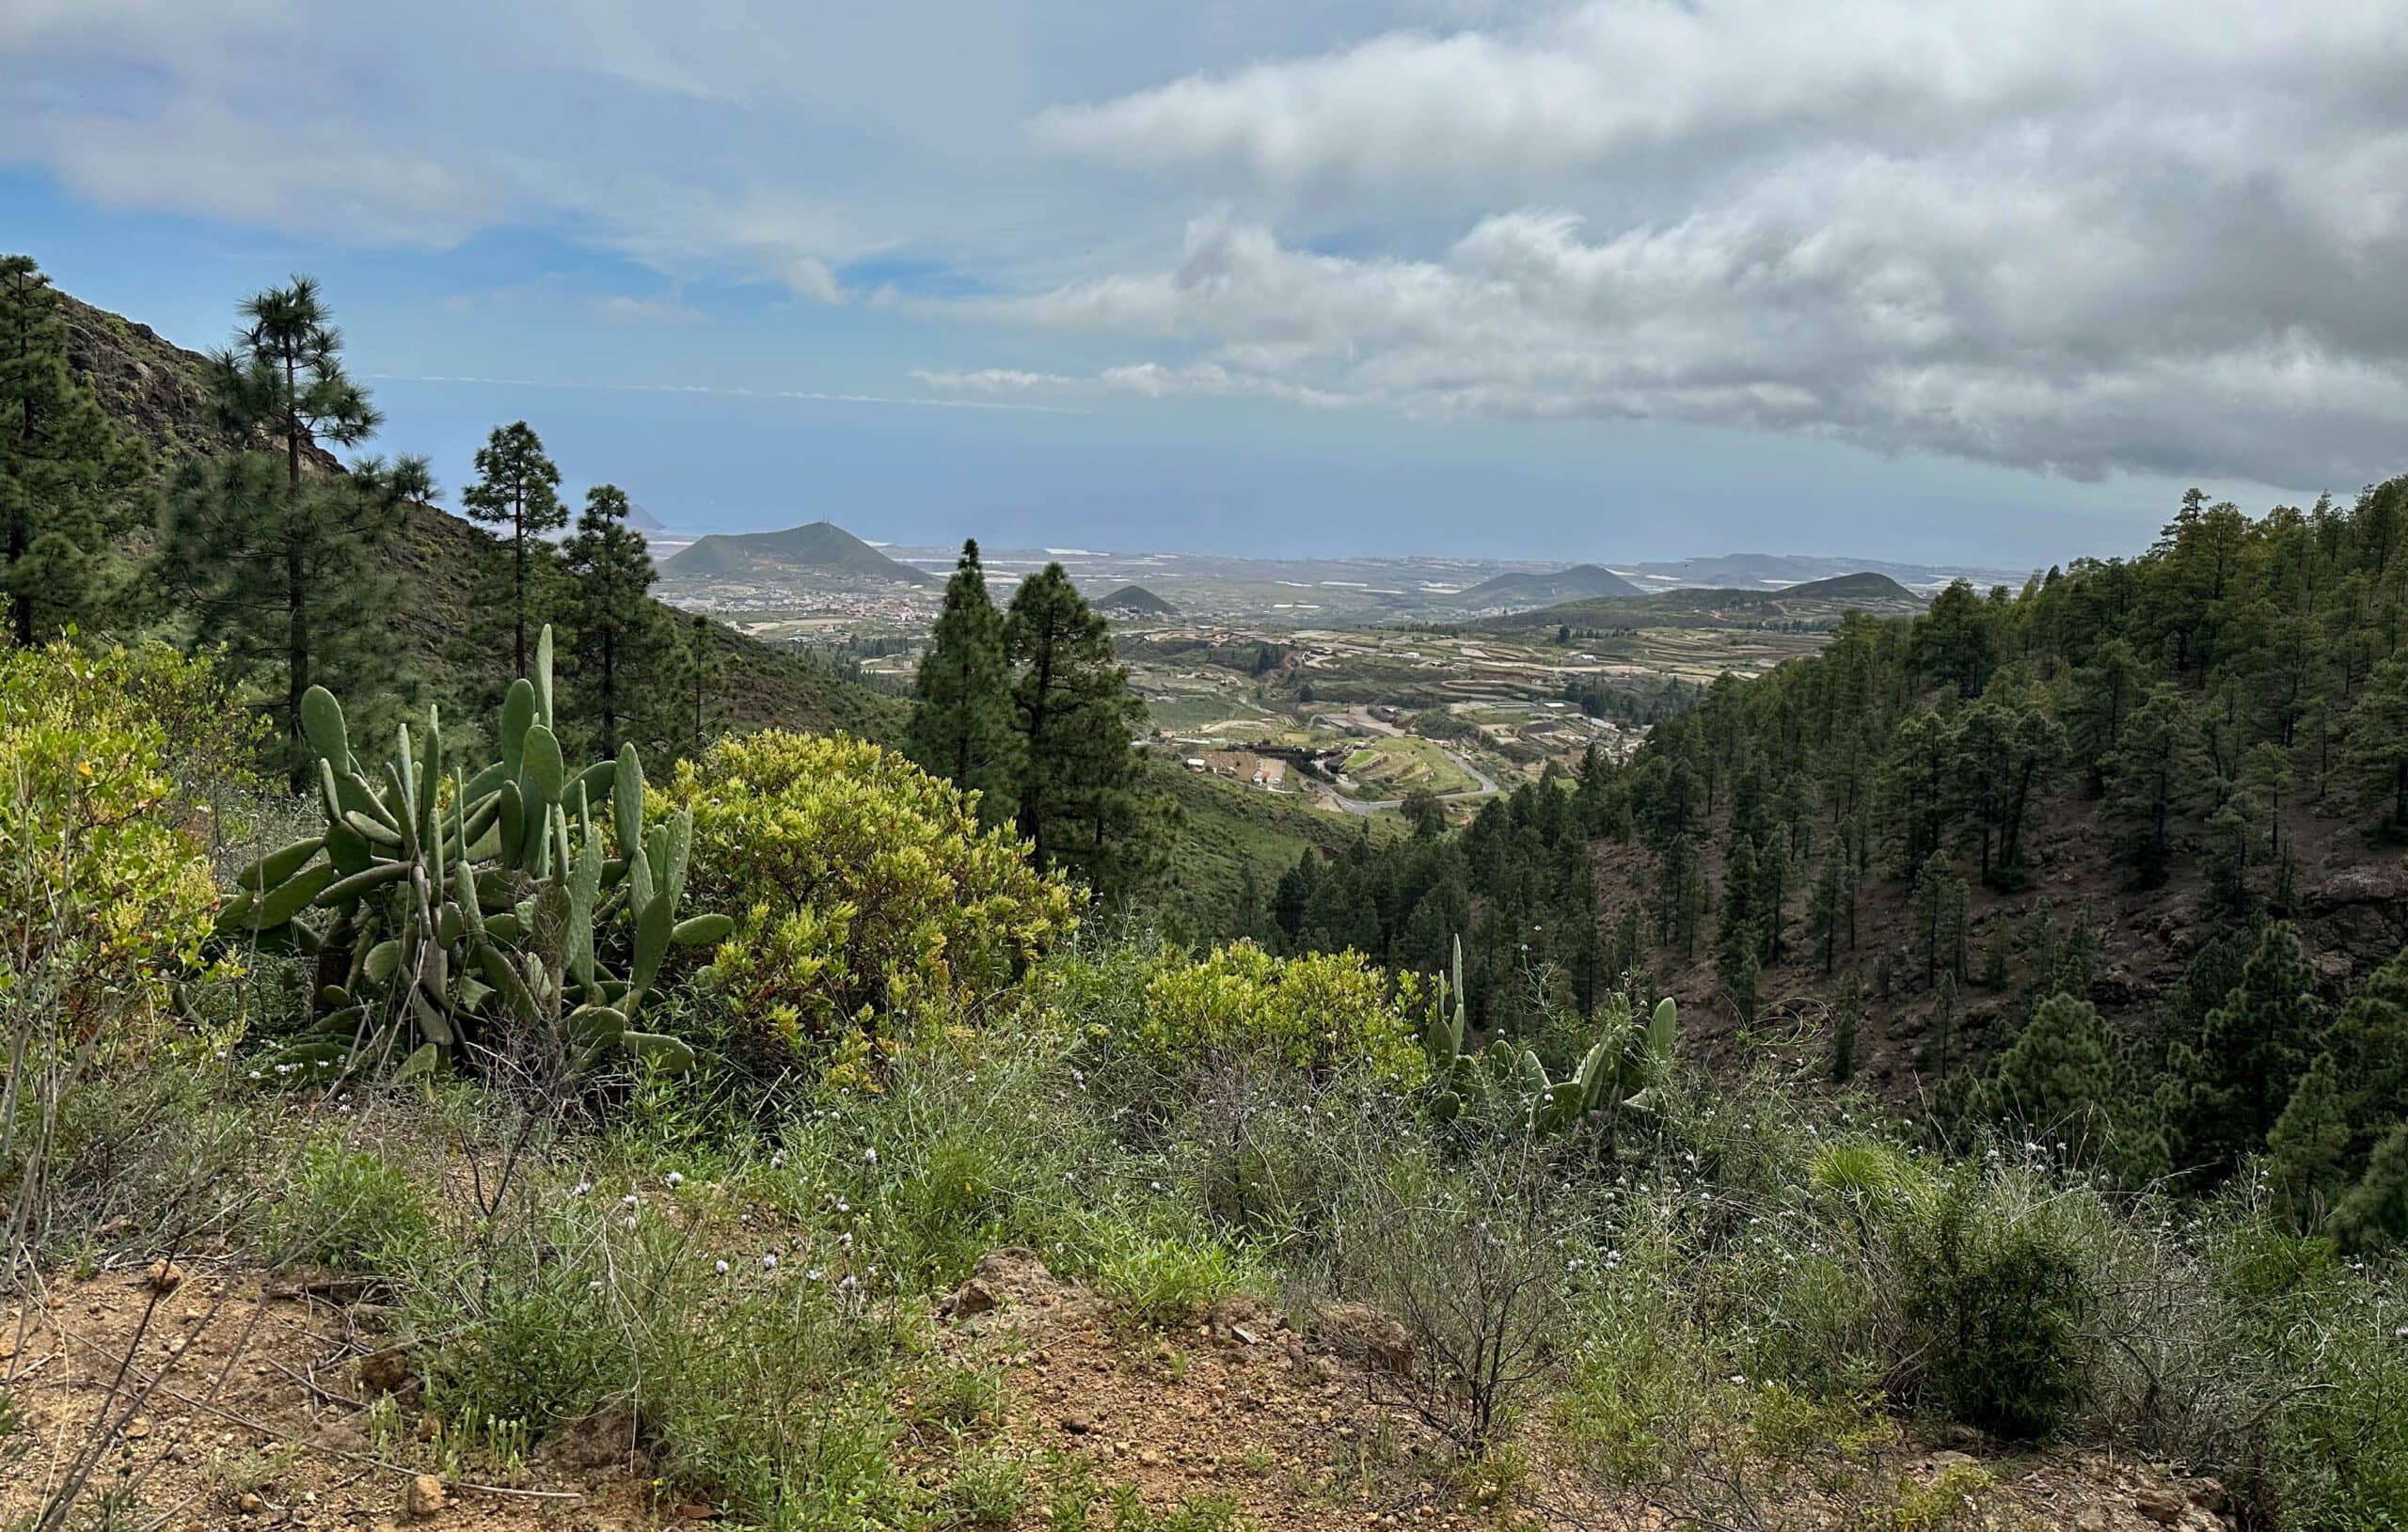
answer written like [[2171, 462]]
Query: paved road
[[1356, 805]]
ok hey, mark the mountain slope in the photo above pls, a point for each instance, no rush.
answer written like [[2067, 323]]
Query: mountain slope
[[819, 550], [1135, 600], [1581, 582], [158, 390], [1816, 605], [1863, 586]]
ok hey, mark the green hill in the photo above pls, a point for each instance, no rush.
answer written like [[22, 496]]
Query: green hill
[[1814, 605], [819, 552], [1135, 600], [158, 390], [1866, 586], [1581, 582]]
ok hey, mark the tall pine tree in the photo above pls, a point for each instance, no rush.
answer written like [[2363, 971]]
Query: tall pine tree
[[1082, 802], [611, 616], [516, 493], [281, 554], [69, 482], [964, 728]]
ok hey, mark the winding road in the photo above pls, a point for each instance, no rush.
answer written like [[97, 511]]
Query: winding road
[[1356, 805]]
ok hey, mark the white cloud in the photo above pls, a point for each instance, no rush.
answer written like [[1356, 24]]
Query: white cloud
[[2070, 235], [2079, 235]]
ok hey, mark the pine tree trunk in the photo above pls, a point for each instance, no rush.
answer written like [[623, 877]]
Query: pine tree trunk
[[610, 689], [518, 584], [296, 592]]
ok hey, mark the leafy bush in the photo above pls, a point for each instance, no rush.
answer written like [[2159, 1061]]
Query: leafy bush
[[105, 891], [1998, 1299], [352, 1209], [1321, 1013], [865, 892]]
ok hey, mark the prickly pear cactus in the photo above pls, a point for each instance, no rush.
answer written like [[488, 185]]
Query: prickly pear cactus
[[486, 900], [1626, 1066]]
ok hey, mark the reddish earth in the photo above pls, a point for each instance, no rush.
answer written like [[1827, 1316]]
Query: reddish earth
[[245, 1407]]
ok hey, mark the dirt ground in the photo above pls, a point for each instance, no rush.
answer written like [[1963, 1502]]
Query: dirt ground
[[214, 1401]]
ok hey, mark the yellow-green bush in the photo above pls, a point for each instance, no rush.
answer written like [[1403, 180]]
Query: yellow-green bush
[[105, 892], [1318, 1012], [864, 893]]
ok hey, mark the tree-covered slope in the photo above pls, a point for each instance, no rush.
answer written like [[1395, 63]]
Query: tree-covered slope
[[157, 389], [1880, 860]]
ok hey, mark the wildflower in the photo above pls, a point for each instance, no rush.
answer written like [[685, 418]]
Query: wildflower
[[582, 1188], [814, 1274], [675, 1179], [627, 1201], [869, 1157], [594, 1285], [769, 1261], [778, 1161], [720, 1267]]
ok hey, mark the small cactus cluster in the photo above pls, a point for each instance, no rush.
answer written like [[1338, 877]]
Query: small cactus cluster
[[475, 900], [1624, 1067]]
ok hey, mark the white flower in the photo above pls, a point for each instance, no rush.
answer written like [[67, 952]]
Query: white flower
[[582, 1188], [778, 1161], [813, 1275], [720, 1267], [627, 1201], [675, 1179], [594, 1285], [769, 1261], [869, 1157]]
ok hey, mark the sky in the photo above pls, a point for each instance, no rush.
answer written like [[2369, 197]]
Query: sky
[[1914, 279]]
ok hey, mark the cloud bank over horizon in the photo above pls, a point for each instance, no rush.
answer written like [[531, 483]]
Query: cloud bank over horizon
[[2079, 240], [2075, 238]]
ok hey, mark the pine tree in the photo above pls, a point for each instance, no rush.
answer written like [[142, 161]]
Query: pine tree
[[1081, 803], [962, 728], [701, 667], [517, 492], [2369, 1042], [2374, 744], [1844, 1042], [69, 482], [612, 615], [2306, 1174], [2250, 1053], [2375, 1214], [281, 557], [1827, 913], [2152, 776], [2060, 1075]]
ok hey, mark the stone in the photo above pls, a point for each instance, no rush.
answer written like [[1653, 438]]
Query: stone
[[385, 1371], [2163, 1507], [164, 1276], [426, 1496], [971, 1299]]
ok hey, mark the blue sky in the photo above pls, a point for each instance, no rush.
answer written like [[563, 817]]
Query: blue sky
[[1611, 280]]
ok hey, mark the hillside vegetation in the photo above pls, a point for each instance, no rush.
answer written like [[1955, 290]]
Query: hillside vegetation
[[819, 552], [469, 1116], [440, 563]]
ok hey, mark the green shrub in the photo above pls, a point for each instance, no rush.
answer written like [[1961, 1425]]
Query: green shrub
[[865, 892], [105, 892], [975, 1142], [352, 1209], [1163, 1279], [1997, 1298], [1319, 1013]]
